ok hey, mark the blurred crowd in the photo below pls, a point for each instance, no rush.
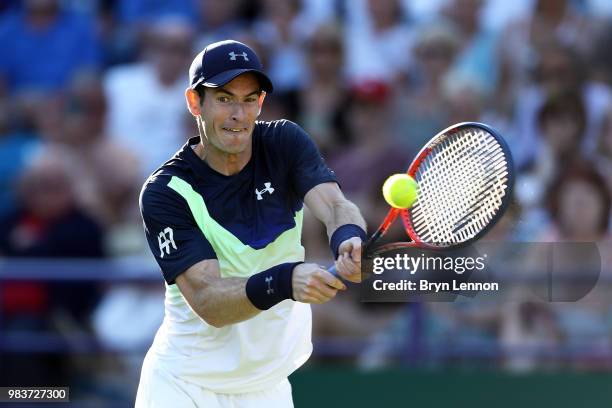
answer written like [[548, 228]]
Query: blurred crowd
[[92, 100]]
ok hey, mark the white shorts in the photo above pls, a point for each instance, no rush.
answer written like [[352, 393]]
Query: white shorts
[[160, 389]]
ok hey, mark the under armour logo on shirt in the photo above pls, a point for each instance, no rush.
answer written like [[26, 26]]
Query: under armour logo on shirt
[[165, 239], [269, 281], [268, 189], [233, 56]]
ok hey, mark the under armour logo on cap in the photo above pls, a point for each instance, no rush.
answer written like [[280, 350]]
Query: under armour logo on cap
[[233, 56], [221, 62]]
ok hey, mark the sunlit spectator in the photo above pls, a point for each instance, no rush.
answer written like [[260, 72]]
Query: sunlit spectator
[[560, 69], [528, 331], [219, 20], [466, 100], [421, 110], [17, 143], [146, 100], [603, 152], [378, 39], [373, 154], [282, 30], [109, 174], [48, 223], [143, 11], [522, 41], [476, 53], [579, 203], [602, 59], [322, 102], [43, 45], [562, 124]]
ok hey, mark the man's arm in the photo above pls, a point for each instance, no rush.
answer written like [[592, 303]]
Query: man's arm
[[222, 301], [216, 300], [329, 205]]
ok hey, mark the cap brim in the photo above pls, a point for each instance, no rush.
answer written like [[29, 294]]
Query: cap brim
[[225, 77]]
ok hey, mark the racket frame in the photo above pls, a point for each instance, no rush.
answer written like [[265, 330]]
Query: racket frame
[[412, 169]]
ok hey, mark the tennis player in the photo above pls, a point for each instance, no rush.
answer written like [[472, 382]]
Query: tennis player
[[223, 218]]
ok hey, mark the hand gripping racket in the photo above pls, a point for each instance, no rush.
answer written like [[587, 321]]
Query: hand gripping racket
[[465, 176]]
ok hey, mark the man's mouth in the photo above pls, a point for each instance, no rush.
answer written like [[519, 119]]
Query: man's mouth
[[235, 130]]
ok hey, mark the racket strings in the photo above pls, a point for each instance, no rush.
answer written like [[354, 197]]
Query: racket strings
[[462, 183], [437, 180]]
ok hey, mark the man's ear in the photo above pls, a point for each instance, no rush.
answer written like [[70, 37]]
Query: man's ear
[[260, 101], [193, 102]]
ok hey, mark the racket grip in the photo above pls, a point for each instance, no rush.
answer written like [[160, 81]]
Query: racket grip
[[332, 269]]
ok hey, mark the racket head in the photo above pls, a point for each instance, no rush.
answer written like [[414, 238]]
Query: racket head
[[466, 177]]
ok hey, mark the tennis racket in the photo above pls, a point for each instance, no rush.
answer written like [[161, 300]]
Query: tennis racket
[[465, 176]]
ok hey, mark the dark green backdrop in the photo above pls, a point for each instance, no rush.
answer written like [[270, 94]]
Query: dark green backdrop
[[321, 388]]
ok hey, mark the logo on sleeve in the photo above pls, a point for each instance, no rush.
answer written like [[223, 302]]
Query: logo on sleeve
[[268, 189], [165, 239], [269, 279]]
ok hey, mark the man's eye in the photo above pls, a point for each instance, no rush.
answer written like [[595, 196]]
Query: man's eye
[[250, 100], [223, 99]]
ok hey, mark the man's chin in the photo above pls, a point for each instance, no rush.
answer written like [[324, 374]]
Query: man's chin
[[235, 148]]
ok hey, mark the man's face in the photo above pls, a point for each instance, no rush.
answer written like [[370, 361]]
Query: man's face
[[229, 114]]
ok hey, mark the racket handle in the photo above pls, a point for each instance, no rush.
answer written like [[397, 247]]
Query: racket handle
[[332, 269]]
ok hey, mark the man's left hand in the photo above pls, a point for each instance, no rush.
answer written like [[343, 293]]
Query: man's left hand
[[348, 263]]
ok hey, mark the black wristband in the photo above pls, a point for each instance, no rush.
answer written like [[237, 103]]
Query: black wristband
[[266, 289], [344, 232]]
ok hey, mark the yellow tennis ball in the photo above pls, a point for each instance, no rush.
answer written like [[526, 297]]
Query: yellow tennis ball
[[400, 191]]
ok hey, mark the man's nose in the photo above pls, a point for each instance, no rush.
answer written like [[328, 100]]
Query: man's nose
[[238, 112]]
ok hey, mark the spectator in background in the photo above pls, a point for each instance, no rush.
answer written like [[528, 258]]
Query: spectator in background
[[145, 100], [282, 30], [44, 45], [522, 40], [466, 100], [421, 108], [602, 58], [560, 70], [603, 153], [476, 57], [109, 174], [16, 145], [377, 41], [49, 223], [579, 203], [142, 12], [364, 164], [528, 331], [322, 102], [361, 166], [562, 124], [219, 20]]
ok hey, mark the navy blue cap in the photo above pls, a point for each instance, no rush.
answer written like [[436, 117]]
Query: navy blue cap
[[223, 61]]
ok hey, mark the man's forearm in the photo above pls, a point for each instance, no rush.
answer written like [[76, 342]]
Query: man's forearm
[[224, 301], [344, 212]]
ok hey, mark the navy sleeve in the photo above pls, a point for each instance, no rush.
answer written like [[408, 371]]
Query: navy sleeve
[[173, 236], [307, 167]]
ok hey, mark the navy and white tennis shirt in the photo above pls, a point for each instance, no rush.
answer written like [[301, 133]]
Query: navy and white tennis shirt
[[254, 206], [250, 222]]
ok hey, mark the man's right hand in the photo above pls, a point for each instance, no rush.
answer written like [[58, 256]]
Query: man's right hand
[[313, 284]]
